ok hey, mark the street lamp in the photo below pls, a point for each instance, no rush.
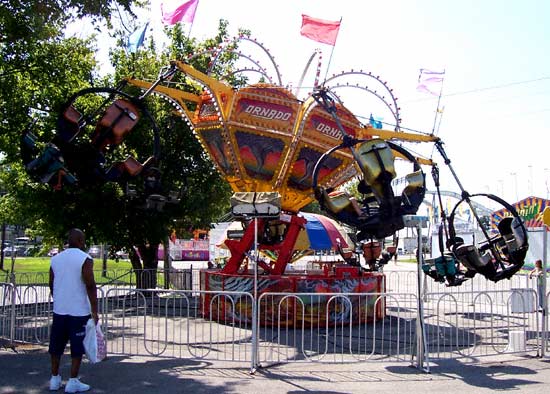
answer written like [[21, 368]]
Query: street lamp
[[530, 179], [515, 175], [546, 182], [501, 187]]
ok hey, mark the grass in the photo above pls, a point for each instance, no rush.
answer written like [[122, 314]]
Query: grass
[[35, 270], [41, 265]]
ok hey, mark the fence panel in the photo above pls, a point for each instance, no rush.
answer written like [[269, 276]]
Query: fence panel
[[336, 327], [170, 323], [7, 300], [475, 324]]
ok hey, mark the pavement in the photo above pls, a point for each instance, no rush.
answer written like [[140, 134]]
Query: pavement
[[26, 370]]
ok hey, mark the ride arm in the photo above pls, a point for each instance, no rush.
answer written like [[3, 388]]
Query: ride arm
[[220, 89], [420, 160], [395, 135], [175, 94]]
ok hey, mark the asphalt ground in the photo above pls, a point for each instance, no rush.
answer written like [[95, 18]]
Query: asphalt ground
[[26, 370]]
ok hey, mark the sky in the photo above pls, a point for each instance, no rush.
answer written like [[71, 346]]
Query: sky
[[495, 54]]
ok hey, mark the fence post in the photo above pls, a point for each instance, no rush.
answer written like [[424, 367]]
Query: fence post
[[191, 281], [420, 307], [167, 263], [12, 311], [543, 290], [254, 363], [255, 321], [421, 349]]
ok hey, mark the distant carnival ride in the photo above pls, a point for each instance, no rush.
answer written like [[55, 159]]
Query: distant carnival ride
[[279, 153]]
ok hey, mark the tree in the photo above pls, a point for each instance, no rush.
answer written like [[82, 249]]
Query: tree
[[104, 212]]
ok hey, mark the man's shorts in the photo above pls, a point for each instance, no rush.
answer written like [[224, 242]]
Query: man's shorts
[[67, 328]]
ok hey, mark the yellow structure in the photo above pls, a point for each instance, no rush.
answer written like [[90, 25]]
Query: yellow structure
[[263, 138]]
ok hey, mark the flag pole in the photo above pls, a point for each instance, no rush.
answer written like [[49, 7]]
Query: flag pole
[[438, 102], [193, 21], [189, 33], [440, 117], [332, 51]]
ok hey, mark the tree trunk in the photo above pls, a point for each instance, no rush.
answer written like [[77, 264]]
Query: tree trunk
[[146, 275], [136, 265], [104, 257], [167, 264]]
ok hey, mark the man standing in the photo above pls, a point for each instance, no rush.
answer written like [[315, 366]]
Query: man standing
[[73, 289]]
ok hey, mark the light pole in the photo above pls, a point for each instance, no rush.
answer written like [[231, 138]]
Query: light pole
[[546, 182], [501, 187], [530, 179], [515, 175]]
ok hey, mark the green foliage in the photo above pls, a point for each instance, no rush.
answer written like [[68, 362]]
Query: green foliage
[[39, 71], [26, 21]]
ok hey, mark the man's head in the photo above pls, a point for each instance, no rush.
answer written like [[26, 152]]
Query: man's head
[[76, 238]]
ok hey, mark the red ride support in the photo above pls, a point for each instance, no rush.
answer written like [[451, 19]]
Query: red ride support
[[286, 247], [239, 248]]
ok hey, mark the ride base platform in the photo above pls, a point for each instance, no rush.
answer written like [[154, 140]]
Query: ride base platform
[[308, 297]]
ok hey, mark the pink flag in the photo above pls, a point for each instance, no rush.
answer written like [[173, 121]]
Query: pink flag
[[183, 13], [320, 30], [430, 81]]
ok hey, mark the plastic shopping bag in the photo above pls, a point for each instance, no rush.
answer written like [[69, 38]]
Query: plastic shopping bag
[[94, 342]]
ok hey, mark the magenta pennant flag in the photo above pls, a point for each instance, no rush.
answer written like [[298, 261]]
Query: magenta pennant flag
[[430, 81], [183, 13], [320, 30]]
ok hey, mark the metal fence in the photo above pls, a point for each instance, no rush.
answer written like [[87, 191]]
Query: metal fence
[[484, 323], [405, 281], [298, 327], [336, 327], [178, 279], [169, 323]]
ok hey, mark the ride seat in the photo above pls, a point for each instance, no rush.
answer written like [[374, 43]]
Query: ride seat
[[469, 256], [514, 242], [131, 166], [371, 250], [68, 126], [117, 121], [413, 194], [376, 160], [512, 235], [337, 201]]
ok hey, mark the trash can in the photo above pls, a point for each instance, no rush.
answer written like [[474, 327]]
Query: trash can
[[516, 341]]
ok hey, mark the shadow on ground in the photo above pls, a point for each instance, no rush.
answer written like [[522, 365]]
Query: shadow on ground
[[28, 373], [498, 376]]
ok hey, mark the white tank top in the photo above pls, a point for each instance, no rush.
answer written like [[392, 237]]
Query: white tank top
[[69, 292]]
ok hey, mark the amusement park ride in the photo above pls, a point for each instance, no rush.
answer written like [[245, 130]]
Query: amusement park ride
[[279, 153]]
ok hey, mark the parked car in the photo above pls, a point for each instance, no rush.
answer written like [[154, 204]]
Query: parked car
[[53, 251], [121, 255], [95, 251], [9, 251], [33, 250], [19, 251]]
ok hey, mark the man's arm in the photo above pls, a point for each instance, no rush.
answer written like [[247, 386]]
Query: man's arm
[[51, 281], [89, 282]]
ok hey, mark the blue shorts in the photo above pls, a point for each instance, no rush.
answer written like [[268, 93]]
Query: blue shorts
[[67, 328]]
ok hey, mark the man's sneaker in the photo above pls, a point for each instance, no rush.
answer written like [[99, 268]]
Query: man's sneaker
[[55, 382], [76, 386]]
